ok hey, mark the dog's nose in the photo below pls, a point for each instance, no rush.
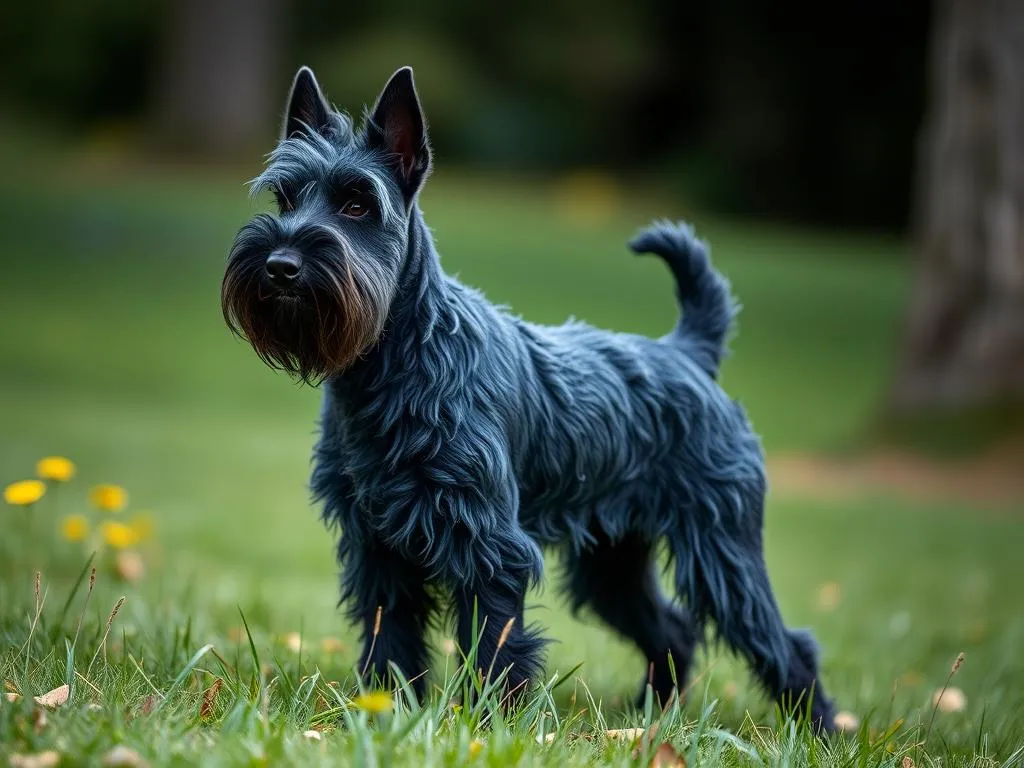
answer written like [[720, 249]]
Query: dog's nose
[[283, 266]]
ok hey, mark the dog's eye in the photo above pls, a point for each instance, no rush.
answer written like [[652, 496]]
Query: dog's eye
[[282, 198], [354, 207]]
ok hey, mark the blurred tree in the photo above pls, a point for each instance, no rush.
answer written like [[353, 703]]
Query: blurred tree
[[217, 75], [965, 331]]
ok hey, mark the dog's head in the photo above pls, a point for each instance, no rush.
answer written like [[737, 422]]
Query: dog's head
[[310, 287]]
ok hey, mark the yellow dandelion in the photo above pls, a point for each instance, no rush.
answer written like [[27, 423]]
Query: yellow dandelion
[[74, 527], [142, 526], [55, 468], [377, 703], [118, 535], [109, 498], [25, 492]]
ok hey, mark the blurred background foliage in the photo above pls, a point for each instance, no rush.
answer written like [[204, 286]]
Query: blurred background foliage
[[795, 111]]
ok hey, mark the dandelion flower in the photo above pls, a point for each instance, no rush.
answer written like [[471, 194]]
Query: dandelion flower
[[142, 527], [109, 498], [55, 468], [25, 492], [377, 703], [74, 527], [118, 535]]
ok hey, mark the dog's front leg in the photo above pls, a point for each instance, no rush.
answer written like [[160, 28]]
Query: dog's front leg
[[388, 596], [490, 620]]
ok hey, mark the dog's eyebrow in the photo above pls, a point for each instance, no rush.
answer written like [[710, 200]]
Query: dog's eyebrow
[[348, 176]]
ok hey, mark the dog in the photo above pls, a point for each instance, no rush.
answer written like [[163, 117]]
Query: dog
[[457, 440]]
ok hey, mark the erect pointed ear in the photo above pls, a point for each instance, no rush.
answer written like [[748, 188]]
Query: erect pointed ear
[[397, 126], [307, 108]]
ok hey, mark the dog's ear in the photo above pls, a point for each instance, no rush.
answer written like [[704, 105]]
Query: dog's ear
[[398, 127], [307, 109]]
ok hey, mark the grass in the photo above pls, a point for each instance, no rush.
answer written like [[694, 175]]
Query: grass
[[114, 354]]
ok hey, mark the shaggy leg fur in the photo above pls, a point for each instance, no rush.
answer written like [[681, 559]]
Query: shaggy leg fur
[[728, 582], [493, 603], [618, 581], [382, 579]]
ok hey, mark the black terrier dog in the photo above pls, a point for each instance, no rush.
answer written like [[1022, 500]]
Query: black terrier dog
[[457, 440]]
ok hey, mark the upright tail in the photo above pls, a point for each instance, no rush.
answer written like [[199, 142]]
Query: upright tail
[[704, 295]]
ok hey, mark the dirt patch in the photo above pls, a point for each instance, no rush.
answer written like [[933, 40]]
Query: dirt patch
[[994, 479]]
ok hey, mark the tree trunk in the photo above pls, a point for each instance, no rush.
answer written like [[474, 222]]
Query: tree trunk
[[216, 94], [965, 331]]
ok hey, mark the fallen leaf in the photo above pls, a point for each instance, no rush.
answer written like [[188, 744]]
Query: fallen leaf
[[46, 759], [149, 704], [123, 757], [911, 678], [312, 735], [829, 595], [332, 645], [210, 699], [129, 566], [54, 698], [666, 756], [950, 700], [846, 721], [626, 734], [293, 642], [908, 761]]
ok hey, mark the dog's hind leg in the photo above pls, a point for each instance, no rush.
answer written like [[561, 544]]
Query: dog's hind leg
[[618, 581], [722, 575]]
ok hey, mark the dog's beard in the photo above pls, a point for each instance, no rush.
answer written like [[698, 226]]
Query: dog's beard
[[319, 328]]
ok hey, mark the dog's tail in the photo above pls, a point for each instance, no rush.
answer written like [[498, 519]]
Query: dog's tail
[[704, 294]]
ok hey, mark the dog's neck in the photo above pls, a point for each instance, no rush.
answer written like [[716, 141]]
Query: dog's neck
[[419, 310]]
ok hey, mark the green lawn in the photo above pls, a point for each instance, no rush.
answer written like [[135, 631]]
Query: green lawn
[[113, 353]]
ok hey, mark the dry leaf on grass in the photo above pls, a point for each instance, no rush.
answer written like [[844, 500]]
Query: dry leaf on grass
[[950, 700], [829, 595], [210, 699], [54, 698], [625, 734], [129, 566], [332, 645], [123, 757], [46, 759], [666, 756], [910, 678], [149, 704], [312, 735], [846, 721]]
